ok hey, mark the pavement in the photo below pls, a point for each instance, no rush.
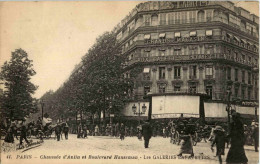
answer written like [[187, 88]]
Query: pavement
[[104, 149]]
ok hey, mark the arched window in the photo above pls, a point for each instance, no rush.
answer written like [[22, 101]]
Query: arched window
[[243, 25], [201, 16]]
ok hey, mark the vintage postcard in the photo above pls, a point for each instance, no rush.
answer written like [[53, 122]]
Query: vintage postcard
[[129, 82]]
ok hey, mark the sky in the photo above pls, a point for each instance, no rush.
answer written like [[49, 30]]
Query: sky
[[56, 35]]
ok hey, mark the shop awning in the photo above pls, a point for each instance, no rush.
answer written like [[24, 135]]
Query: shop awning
[[162, 35], [147, 36], [209, 33]]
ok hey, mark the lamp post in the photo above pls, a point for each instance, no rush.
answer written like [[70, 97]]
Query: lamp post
[[42, 104], [228, 106], [139, 113]]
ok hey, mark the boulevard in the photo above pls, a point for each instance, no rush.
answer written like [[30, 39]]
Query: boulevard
[[111, 149]]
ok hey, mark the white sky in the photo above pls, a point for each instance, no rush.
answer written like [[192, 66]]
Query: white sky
[[57, 34]]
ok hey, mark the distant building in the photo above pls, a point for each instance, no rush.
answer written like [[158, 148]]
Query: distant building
[[188, 53]]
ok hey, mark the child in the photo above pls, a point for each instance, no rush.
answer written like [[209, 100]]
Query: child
[[219, 140]]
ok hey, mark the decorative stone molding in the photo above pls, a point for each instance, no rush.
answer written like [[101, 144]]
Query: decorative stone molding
[[154, 69], [201, 68], [169, 69], [177, 82], [162, 82], [184, 68]]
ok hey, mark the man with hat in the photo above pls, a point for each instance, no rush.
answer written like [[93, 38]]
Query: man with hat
[[147, 133], [219, 140], [255, 136], [236, 153]]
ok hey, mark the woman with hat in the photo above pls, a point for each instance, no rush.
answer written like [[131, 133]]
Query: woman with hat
[[219, 140], [236, 153]]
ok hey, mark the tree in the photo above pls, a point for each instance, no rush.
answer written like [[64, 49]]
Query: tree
[[17, 100]]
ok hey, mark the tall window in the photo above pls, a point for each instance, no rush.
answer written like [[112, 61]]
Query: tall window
[[161, 72], [177, 72], [147, 20], [154, 20], [249, 78], [192, 16], [228, 73], [146, 74], [236, 74], [171, 18], [236, 91], [201, 15], [184, 17], [162, 18], [243, 93], [209, 16], [177, 17], [243, 76], [209, 91], [209, 72], [193, 71], [177, 50], [216, 15], [146, 90], [249, 94]]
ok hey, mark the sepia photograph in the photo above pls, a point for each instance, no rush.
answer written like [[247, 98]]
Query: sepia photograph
[[85, 82]]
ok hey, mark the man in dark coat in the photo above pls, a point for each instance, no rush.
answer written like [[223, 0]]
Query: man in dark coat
[[23, 134], [66, 131], [58, 132], [236, 153], [255, 136], [147, 133]]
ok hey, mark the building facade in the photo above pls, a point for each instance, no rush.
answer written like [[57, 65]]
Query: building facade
[[188, 54]]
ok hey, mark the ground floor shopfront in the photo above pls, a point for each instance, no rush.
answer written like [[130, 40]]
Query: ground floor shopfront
[[161, 107]]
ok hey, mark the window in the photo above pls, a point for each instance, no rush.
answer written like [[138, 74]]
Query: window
[[236, 74], [147, 20], [243, 76], [249, 94], [193, 33], [209, 16], [209, 71], [193, 89], [154, 20], [177, 34], [193, 71], [162, 18], [177, 88], [243, 93], [177, 50], [184, 17], [228, 73], [216, 15], [201, 15], [192, 15], [208, 32], [161, 72], [146, 90], [162, 88], [236, 92], [146, 74], [249, 78], [171, 18], [177, 72], [209, 91], [256, 95]]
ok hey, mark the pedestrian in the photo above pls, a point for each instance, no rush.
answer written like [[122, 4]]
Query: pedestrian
[[58, 132], [186, 145], [9, 138], [219, 140], [79, 131], [85, 133], [147, 133], [96, 130], [66, 131], [131, 131], [255, 136], [122, 132], [139, 132], [236, 153], [23, 134]]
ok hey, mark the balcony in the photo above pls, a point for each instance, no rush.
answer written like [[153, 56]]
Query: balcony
[[195, 57]]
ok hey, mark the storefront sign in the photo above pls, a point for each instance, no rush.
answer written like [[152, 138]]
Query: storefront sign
[[173, 115], [176, 40], [248, 103]]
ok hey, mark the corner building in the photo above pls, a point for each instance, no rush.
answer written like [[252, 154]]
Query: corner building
[[187, 54]]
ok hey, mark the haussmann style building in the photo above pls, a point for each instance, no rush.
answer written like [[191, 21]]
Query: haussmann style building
[[189, 56]]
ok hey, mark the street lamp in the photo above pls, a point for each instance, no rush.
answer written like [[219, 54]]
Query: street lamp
[[228, 106], [139, 113], [42, 104]]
